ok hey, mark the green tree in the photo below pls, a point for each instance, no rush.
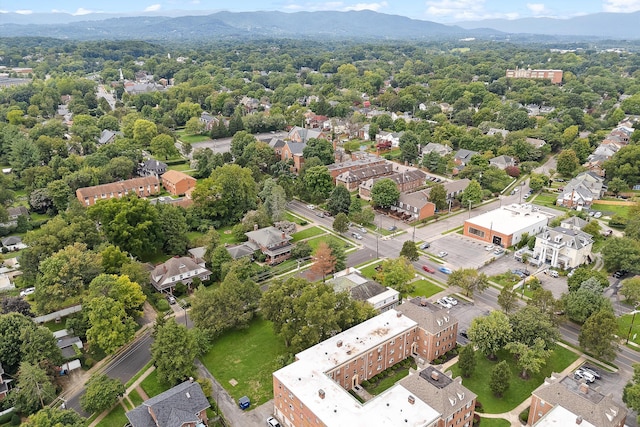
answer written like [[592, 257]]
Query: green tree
[[530, 358], [339, 200], [144, 131], [500, 375], [34, 389], [409, 250], [317, 183], [631, 290], [384, 193], [173, 353], [39, 345], [581, 274], [581, 304], [567, 162], [631, 392], [275, 203], [163, 147], [323, 261], [490, 333], [121, 289], [111, 327], [621, 253], [397, 274], [55, 417], [508, 299], [625, 164], [219, 258], [469, 279], [12, 328], [101, 393], [530, 324], [409, 146], [598, 334], [617, 185], [320, 148], [438, 196], [472, 194], [194, 126], [173, 229], [337, 251], [301, 250], [467, 361], [341, 222], [226, 195], [538, 181]]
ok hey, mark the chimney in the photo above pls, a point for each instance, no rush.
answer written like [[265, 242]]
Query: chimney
[[579, 420], [435, 375], [339, 343], [321, 393], [584, 388], [283, 236], [255, 227], [411, 399], [398, 314], [190, 379]]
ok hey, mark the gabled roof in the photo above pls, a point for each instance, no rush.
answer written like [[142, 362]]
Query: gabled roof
[[11, 240], [107, 135], [240, 251], [173, 408], [154, 165], [438, 148], [503, 160], [432, 321], [116, 187], [175, 267], [571, 238], [174, 176], [295, 147], [465, 155], [574, 221], [17, 211], [268, 236]]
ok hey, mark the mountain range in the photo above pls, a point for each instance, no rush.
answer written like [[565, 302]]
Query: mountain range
[[333, 25]]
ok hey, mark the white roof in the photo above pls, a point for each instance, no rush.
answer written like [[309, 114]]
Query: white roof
[[560, 416], [389, 294], [510, 219], [306, 377]]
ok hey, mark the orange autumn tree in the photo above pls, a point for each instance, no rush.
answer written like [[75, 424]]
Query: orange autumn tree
[[324, 261]]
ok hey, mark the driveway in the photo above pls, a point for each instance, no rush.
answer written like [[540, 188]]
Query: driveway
[[463, 251]]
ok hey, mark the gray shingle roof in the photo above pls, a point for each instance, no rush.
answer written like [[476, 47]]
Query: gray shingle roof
[[268, 236], [173, 408], [431, 321]]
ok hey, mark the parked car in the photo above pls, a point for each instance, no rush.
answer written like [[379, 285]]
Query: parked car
[[311, 207], [363, 230], [619, 274], [425, 245], [428, 269], [357, 236], [320, 214], [581, 374], [444, 303], [27, 291], [244, 402], [518, 273], [488, 248], [589, 369], [498, 251], [450, 300], [272, 422], [443, 254], [597, 214], [392, 228], [445, 270], [171, 299], [463, 333], [552, 273]]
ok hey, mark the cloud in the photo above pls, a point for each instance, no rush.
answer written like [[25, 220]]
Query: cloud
[[620, 6], [82, 11], [537, 8], [462, 10], [152, 8], [368, 6], [312, 6], [24, 12]]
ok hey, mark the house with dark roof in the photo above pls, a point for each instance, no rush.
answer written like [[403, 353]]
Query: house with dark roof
[[152, 167], [142, 187], [13, 213], [208, 120], [108, 136], [406, 181], [582, 191], [298, 134], [167, 275], [184, 405], [273, 243], [366, 160], [353, 178], [563, 247], [13, 243], [293, 150], [462, 156], [362, 289], [586, 404], [416, 205]]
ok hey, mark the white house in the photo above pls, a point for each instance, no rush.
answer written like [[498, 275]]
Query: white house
[[563, 247]]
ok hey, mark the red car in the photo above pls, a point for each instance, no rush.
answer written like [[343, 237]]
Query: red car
[[428, 269]]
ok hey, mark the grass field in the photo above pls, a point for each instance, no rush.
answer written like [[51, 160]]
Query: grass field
[[611, 209], [494, 422], [226, 236], [288, 216], [425, 288], [151, 386], [624, 322], [248, 356], [315, 241], [115, 418], [135, 398], [307, 233], [182, 136], [370, 270], [183, 167], [547, 199], [519, 389], [506, 279]]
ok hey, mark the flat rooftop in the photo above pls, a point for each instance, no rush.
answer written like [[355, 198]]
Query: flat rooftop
[[561, 417], [510, 219]]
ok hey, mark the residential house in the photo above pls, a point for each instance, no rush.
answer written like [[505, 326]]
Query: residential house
[[586, 406], [13, 243], [167, 275], [197, 254], [316, 385], [352, 179], [108, 136], [273, 243], [440, 149], [178, 183], [407, 181], [13, 213], [495, 131], [208, 121], [582, 190], [573, 223], [4, 383], [563, 248], [276, 143], [362, 289], [462, 156], [184, 405], [502, 162], [298, 134], [293, 151], [416, 206], [240, 251], [142, 187], [389, 137], [137, 88], [68, 344], [537, 143], [336, 169], [152, 167]]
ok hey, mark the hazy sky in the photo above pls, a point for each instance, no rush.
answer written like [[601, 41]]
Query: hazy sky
[[433, 10]]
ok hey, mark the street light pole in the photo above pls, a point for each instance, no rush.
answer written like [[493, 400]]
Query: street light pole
[[631, 326]]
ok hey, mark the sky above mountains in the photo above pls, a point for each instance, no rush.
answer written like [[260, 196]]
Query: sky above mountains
[[444, 11]]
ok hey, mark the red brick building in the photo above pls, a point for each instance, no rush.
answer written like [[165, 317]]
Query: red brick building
[[142, 187], [178, 183], [520, 73]]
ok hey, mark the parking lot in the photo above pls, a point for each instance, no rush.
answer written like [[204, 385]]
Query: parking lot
[[462, 251], [609, 382]]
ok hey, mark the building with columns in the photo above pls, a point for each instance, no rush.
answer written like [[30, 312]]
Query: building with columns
[[563, 248]]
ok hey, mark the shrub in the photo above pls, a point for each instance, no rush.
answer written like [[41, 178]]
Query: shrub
[[524, 415], [162, 305], [15, 420]]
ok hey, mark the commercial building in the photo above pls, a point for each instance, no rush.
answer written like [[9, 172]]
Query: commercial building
[[506, 225], [563, 248], [521, 73], [313, 391]]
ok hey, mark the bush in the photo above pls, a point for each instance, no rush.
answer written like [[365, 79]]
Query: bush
[[15, 420], [162, 305], [524, 415]]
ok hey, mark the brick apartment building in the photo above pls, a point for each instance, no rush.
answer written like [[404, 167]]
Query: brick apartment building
[[351, 165], [565, 401], [142, 187], [178, 183], [521, 73], [409, 180], [352, 179], [313, 391]]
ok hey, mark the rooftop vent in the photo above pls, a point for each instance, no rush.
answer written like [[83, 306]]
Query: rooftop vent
[[339, 343], [579, 420], [188, 395], [435, 375], [411, 399], [321, 393], [398, 314]]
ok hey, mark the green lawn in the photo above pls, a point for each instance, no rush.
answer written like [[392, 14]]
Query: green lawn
[[425, 288], [370, 270], [151, 386], [388, 382], [315, 241], [298, 219], [53, 326], [506, 279], [611, 209], [623, 328], [248, 356], [183, 167], [135, 398], [519, 389], [194, 235], [546, 199], [307, 233], [182, 136], [494, 422], [226, 236], [115, 418]]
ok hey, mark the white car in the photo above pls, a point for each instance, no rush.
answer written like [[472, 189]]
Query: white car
[[597, 214], [488, 248], [443, 254], [311, 207], [28, 291], [444, 303], [450, 300], [272, 422]]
